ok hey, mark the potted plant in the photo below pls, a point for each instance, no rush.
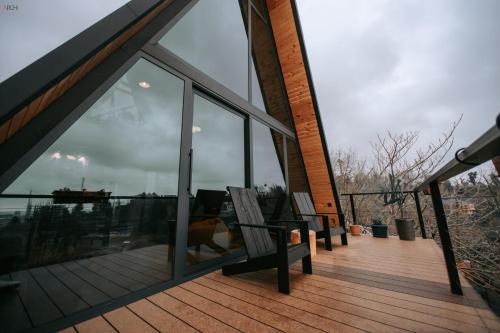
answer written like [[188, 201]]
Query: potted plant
[[355, 229], [396, 196], [379, 228]]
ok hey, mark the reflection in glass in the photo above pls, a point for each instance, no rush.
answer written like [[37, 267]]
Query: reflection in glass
[[218, 147], [257, 99], [268, 163], [296, 172], [212, 38], [47, 28], [107, 216], [218, 161], [127, 143]]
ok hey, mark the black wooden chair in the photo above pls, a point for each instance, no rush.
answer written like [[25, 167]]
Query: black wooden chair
[[318, 222], [262, 252]]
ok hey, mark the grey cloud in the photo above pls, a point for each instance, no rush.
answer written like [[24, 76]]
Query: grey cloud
[[403, 65]]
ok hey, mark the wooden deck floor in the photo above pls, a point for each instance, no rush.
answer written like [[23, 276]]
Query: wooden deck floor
[[53, 292], [373, 285]]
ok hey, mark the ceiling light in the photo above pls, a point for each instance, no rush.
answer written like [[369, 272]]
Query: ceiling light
[[196, 129], [83, 160], [56, 155], [71, 157], [144, 84]]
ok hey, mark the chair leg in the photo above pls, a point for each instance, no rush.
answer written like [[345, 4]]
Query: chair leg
[[283, 276], [307, 265], [283, 279], [328, 237]]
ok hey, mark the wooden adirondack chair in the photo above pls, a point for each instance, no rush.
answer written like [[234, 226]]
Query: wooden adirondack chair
[[318, 222], [262, 252]]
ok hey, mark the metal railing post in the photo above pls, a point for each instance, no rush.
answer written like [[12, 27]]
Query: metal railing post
[[420, 216], [353, 209], [343, 237], [444, 234]]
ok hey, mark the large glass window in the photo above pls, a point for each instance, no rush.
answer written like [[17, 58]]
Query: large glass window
[[218, 161], [212, 38], [257, 99], [268, 167], [296, 173], [99, 214]]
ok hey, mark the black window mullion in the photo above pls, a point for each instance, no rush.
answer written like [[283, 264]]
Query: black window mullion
[[183, 188]]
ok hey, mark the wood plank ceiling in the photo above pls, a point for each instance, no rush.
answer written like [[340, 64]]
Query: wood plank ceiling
[[301, 103]]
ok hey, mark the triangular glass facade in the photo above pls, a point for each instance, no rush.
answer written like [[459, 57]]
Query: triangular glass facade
[[212, 37]]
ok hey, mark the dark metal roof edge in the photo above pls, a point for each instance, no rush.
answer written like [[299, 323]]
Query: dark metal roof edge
[[23, 87], [315, 105], [483, 149]]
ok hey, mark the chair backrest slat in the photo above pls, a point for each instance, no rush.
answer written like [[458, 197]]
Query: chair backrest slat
[[257, 240], [305, 206]]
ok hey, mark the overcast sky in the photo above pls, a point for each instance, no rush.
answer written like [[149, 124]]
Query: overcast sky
[[403, 65]]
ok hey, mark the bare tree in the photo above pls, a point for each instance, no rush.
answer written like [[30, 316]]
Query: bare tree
[[398, 155]]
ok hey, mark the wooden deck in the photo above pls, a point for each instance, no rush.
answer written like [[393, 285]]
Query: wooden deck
[[373, 285], [53, 292]]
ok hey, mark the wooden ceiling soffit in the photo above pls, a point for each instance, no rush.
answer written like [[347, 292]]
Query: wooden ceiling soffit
[[25, 115], [302, 106]]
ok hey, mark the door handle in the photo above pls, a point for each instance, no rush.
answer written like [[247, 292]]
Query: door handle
[[190, 170]]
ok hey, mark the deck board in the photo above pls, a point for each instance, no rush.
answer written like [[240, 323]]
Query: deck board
[[12, 314], [52, 292], [357, 288], [110, 288], [65, 299], [38, 306], [87, 292]]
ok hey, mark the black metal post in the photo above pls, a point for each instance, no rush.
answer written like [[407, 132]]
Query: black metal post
[[353, 209], [444, 234], [343, 237], [419, 214]]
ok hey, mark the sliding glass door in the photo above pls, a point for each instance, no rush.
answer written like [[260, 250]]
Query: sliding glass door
[[217, 160]]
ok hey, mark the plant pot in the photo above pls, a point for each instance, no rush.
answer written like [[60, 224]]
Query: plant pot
[[496, 163], [406, 229], [355, 230], [379, 230]]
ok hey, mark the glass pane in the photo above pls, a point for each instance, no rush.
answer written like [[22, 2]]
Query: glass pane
[[212, 38], [296, 172], [257, 99], [268, 73], [103, 198], [218, 147], [31, 29], [218, 162], [268, 163]]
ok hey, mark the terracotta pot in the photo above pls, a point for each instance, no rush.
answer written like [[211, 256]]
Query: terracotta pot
[[355, 230], [496, 163]]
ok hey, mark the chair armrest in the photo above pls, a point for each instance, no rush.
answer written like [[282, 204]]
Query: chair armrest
[[272, 227], [327, 213], [289, 223], [318, 215]]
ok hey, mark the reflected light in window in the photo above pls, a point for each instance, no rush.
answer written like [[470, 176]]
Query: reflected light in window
[[71, 157], [83, 160], [144, 84], [196, 129], [56, 155]]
